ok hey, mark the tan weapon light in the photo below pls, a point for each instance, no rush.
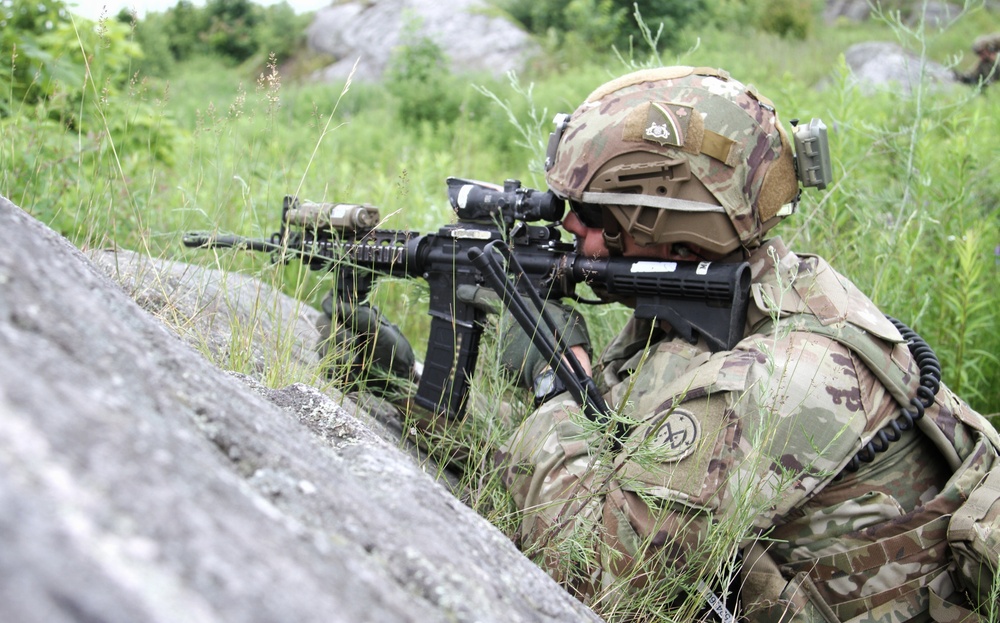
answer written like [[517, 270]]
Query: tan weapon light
[[344, 217]]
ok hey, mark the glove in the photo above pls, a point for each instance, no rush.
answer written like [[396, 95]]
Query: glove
[[522, 360], [519, 357], [365, 350], [480, 297]]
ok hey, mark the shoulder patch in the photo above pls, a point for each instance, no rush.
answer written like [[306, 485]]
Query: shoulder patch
[[676, 434]]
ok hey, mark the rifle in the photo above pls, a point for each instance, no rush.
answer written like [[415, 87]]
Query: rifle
[[699, 299]]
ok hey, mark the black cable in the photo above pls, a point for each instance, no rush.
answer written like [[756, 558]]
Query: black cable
[[930, 383]]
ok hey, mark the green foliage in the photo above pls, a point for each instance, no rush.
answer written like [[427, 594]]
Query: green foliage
[[72, 103], [280, 31], [29, 71], [969, 319], [787, 18], [32, 18], [49, 73], [419, 78], [573, 28], [184, 25], [151, 36], [231, 28], [674, 15], [236, 30], [597, 23], [428, 98]]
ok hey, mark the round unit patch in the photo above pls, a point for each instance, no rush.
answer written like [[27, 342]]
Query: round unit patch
[[677, 434]]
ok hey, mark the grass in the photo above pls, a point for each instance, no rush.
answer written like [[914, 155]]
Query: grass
[[912, 216]]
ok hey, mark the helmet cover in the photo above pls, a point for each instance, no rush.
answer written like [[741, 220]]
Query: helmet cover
[[728, 134], [987, 43]]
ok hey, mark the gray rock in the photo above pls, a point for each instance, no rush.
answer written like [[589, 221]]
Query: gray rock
[[367, 32], [275, 335], [880, 65], [239, 321], [850, 10], [139, 482], [934, 14]]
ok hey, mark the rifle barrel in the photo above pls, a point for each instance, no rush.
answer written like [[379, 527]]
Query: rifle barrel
[[196, 240]]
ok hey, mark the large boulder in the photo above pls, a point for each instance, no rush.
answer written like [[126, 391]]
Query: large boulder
[[849, 10], [236, 320], [932, 13], [367, 32], [878, 65], [139, 482]]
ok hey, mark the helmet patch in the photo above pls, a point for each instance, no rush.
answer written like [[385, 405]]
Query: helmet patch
[[667, 123]]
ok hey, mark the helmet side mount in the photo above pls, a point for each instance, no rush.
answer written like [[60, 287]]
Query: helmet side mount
[[561, 120], [812, 154]]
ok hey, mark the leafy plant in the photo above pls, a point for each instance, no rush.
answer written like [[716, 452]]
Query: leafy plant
[[30, 72], [787, 18], [589, 28], [419, 77]]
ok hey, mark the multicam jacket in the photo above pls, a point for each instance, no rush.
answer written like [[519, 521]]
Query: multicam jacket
[[985, 72], [987, 47], [742, 453]]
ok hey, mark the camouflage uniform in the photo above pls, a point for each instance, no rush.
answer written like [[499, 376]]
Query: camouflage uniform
[[743, 451], [750, 441], [986, 47]]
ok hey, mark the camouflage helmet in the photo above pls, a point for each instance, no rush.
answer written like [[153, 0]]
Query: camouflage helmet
[[677, 154], [987, 43]]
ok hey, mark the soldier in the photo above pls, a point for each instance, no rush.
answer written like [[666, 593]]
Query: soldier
[[986, 48], [816, 471], [803, 463]]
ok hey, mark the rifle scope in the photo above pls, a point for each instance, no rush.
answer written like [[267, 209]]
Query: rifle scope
[[480, 201]]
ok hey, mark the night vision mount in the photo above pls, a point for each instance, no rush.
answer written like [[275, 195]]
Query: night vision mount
[[812, 154]]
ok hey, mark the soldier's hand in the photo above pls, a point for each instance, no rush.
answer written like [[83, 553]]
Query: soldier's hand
[[365, 351], [523, 361], [519, 356], [480, 297]]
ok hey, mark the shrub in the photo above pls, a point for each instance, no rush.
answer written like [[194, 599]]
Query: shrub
[[596, 25], [151, 35], [787, 18], [419, 77]]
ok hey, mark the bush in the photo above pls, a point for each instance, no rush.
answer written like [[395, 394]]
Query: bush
[[231, 30], [280, 31], [29, 71], [596, 25], [419, 77], [184, 25], [151, 35], [235, 30], [787, 18]]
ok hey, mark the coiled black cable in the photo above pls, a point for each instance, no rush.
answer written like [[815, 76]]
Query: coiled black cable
[[930, 382]]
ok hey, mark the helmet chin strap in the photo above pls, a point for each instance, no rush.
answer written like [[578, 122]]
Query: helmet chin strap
[[612, 233], [686, 253]]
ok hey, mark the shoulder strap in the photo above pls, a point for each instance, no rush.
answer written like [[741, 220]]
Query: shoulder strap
[[880, 356], [894, 365]]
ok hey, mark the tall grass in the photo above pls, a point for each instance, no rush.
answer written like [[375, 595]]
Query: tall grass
[[913, 178]]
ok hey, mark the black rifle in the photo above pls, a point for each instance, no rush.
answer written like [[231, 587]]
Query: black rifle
[[698, 299]]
